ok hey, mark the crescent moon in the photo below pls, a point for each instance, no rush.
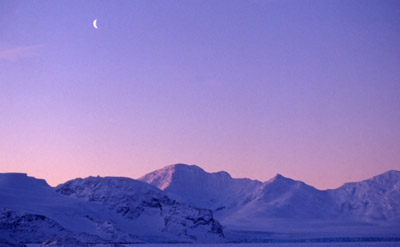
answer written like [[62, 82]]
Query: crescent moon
[[95, 23]]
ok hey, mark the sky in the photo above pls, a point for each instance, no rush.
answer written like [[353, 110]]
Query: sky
[[307, 89]]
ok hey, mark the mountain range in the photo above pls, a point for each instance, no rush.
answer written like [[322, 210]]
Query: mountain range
[[184, 203]]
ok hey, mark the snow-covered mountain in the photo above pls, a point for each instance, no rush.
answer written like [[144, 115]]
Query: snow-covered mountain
[[281, 197], [374, 199], [146, 209], [32, 211], [278, 197], [182, 203], [191, 184], [281, 202], [98, 210]]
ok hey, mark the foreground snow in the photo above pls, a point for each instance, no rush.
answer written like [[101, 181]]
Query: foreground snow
[[336, 244]]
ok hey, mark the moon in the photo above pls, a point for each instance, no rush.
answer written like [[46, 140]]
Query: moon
[[95, 23]]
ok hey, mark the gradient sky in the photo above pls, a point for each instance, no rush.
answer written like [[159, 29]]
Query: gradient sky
[[308, 89]]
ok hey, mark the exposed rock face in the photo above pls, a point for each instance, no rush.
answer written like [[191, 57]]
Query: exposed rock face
[[25, 227], [184, 221]]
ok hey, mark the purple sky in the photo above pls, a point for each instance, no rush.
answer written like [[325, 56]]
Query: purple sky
[[309, 89]]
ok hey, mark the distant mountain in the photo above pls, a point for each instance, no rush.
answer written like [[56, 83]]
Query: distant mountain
[[281, 201], [282, 197], [149, 211], [278, 197], [98, 210], [374, 199], [182, 203], [191, 184]]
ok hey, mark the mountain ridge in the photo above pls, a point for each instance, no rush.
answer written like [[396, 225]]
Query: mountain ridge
[[180, 165], [282, 197], [182, 203]]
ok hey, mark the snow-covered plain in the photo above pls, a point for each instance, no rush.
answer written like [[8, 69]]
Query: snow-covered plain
[[330, 244], [336, 244]]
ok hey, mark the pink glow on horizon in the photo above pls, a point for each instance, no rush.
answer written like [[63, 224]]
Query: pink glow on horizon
[[254, 88]]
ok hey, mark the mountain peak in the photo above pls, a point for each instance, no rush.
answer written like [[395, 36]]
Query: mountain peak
[[163, 177], [214, 190], [184, 167], [196, 169], [280, 178]]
